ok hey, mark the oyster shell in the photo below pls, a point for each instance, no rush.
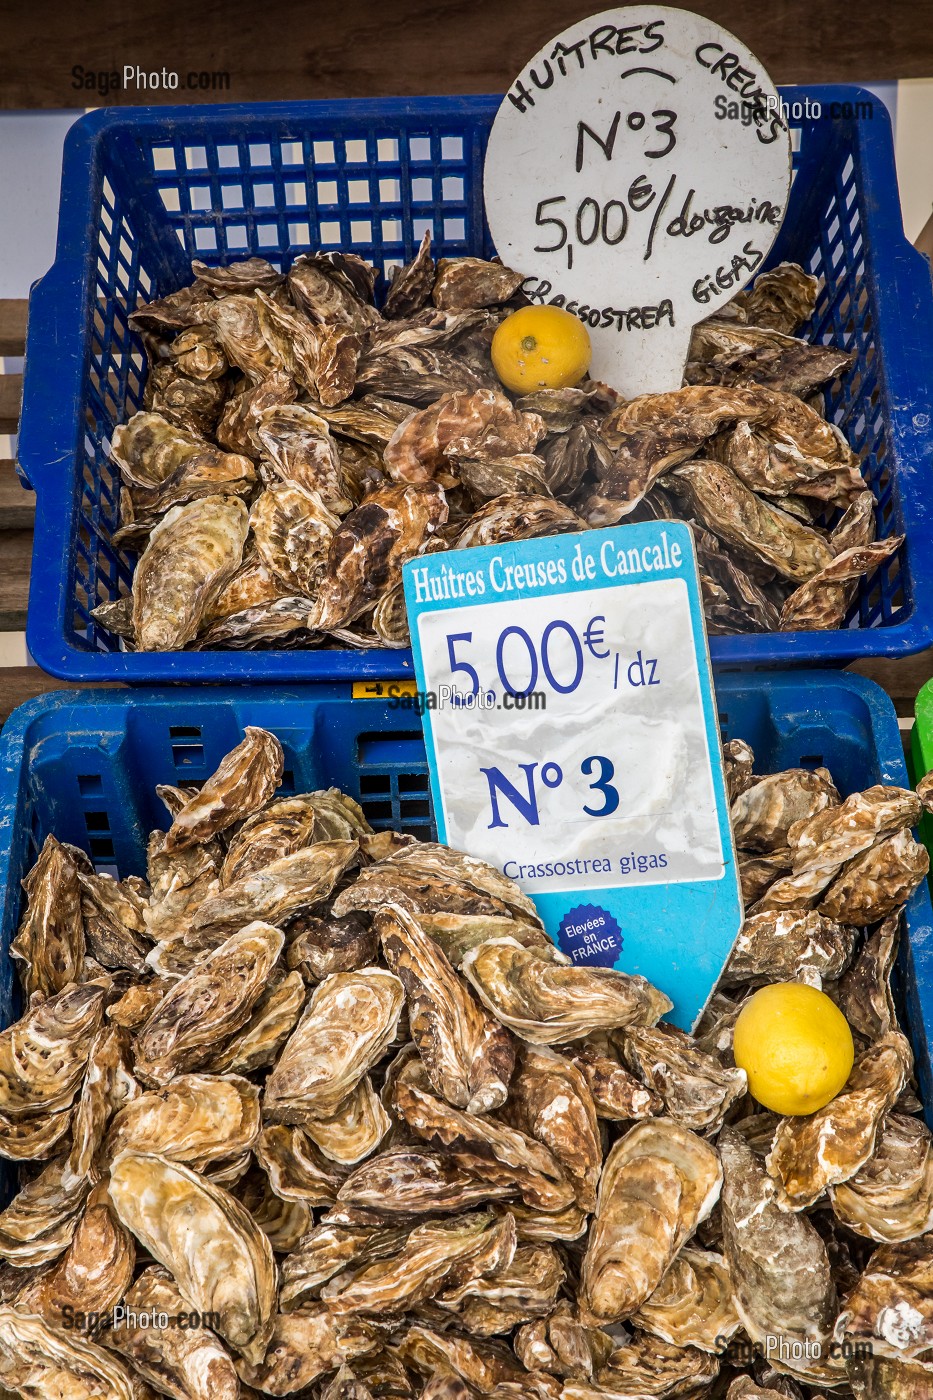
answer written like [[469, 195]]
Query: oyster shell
[[692, 1305], [465, 423], [108, 1085], [236, 324], [617, 1094], [880, 1378], [781, 1278], [476, 1138], [838, 834], [294, 342], [355, 1130], [194, 405], [780, 945], [468, 1056], [652, 433], [890, 1198], [38, 1361], [390, 618], [482, 1366], [175, 311], [183, 1362], [517, 517], [114, 921], [545, 1227], [195, 1119], [334, 289], [647, 1367], [796, 892], [220, 1259], [293, 530], [191, 554], [301, 450], [562, 1345], [180, 881], [878, 881], [306, 1345], [659, 1182], [550, 1101], [38, 1224], [95, 1271], [244, 409], [35, 1137], [282, 889], [462, 283], [763, 813], [758, 873], [440, 1252], [208, 1004], [829, 1147], [366, 554], [476, 887], [824, 599], [337, 364], [370, 419], [201, 475], [742, 1388], [149, 449], [271, 1022], [418, 1181], [781, 298], [327, 1250], [43, 1056], [546, 1003], [892, 1304], [243, 782], [49, 946], [523, 1289], [349, 1021], [489, 476], [698, 1091], [135, 1007], [411, 285], [247, 275], [456, 934], [318, 947], [283, 1222], [864, 994], [726, 506], [727, 353], [297, 1171]]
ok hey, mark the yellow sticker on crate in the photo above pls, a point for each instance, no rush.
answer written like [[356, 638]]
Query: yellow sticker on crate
[[382, 690]]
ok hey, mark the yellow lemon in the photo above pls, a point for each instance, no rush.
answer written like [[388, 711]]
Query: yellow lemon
[[795, 1046], [540, 347]]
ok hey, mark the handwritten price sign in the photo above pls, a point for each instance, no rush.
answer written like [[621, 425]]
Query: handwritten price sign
[[638, 172]]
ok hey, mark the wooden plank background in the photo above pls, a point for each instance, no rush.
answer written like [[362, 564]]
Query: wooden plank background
[[358, 48]]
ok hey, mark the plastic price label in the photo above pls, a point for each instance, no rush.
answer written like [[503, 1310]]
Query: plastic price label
[[573, 742]]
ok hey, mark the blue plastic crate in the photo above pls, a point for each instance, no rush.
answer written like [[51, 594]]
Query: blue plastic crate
[[84, 766], [145, 190]]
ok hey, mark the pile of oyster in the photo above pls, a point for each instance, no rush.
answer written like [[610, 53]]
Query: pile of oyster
[[298, 445], [331, 1098]]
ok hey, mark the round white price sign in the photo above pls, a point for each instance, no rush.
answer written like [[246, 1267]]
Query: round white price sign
[[637, 173]]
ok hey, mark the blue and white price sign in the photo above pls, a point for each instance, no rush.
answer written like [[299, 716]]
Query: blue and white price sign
[[573, 742]]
